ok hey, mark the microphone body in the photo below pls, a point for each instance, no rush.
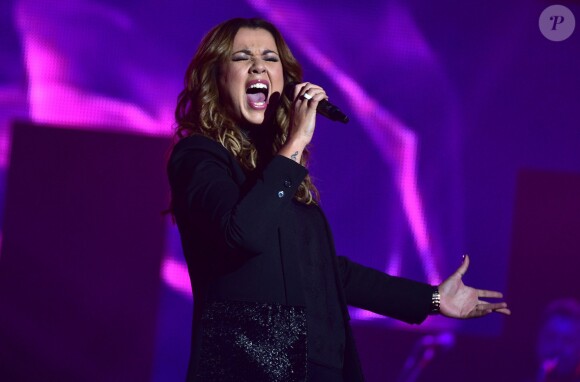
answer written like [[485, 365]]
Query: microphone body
[[331, 112], [324, 107]]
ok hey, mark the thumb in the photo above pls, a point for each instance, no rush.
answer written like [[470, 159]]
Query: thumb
[[463, 267]]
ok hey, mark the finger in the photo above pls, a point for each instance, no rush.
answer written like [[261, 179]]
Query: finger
[[298, 90], [308, 91], [489, 293], [463, 267], [505, 311], [489, 306], [313, 94], [316, 96], [310, 99], [484, 308]]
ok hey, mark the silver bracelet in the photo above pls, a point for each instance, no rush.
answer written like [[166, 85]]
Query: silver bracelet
[[435, 301]]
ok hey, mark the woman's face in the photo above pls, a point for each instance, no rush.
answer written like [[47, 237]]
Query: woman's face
[[251, 75]]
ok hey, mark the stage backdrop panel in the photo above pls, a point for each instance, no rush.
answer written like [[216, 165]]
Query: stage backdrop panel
[[82, 246], [545, 255]]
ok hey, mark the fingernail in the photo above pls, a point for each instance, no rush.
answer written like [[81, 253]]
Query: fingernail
[[463, 257]]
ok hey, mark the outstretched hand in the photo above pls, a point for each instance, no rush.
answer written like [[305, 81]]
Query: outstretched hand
[[461, 301]]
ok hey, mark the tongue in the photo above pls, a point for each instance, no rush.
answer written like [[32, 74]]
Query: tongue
[[256, 97]]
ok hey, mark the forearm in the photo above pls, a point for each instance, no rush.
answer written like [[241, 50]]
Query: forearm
[[293, 149], [396, 297]]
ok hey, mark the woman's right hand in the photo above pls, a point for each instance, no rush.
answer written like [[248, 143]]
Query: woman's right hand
[[302, 119]]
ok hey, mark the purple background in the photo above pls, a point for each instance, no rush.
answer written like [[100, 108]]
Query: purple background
[[449, 103]]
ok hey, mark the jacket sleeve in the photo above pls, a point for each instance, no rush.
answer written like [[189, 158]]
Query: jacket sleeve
[[396, 297], [200, 173]]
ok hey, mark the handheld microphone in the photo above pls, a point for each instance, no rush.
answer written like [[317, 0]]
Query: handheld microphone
[[324, 107]]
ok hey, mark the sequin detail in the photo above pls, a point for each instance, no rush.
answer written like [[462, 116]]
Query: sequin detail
[[250, 341]]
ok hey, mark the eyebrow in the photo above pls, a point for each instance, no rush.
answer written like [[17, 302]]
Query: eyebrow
[[249, 53]]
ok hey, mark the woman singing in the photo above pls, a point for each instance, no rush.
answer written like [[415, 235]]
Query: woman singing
[[270, 292]]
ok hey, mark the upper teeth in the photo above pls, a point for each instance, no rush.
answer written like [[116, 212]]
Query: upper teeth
[[258, 85]]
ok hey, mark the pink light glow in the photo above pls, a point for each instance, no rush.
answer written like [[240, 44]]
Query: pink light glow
[[54, 101], [175, 274], [394, 266], [4, 148], [54, 98]]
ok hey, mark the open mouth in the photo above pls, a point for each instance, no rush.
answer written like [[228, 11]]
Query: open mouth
[[257, 94]]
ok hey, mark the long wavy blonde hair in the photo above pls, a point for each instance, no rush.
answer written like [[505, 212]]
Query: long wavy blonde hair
[[199, 110]]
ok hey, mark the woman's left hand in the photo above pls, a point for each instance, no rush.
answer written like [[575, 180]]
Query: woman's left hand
[[461, 301]]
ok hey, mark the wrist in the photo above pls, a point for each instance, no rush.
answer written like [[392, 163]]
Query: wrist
[[292, 150], [296, 141], [435, 302]]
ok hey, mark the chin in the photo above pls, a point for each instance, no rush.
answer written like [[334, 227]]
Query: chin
[[254, 119]]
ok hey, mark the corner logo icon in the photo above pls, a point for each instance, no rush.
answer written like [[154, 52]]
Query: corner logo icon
[[557, 23]]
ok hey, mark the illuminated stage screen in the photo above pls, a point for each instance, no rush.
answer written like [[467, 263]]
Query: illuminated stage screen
[[458, 112]]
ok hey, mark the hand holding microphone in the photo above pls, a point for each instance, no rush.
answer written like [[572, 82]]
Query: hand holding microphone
[[307, 101], [324, 107]]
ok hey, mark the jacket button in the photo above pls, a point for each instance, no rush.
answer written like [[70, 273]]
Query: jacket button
[[280, 194], [288, 183]]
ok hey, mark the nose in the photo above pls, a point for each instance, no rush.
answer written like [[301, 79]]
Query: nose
[[258, 66]]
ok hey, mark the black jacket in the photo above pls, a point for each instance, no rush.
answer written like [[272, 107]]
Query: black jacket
[[239, 246]]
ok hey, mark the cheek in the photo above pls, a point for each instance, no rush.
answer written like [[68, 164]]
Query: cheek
[[278, 79], [227, 87]]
